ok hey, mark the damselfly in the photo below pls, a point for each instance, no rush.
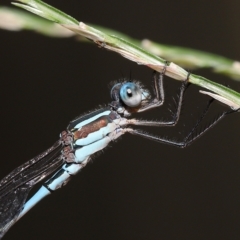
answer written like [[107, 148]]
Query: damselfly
[[84, 136]]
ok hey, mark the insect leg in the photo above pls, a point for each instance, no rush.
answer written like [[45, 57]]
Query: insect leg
[[176, 115], [158, 90], [187, 140]]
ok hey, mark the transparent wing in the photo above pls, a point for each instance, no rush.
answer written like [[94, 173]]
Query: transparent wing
[[15, 187]]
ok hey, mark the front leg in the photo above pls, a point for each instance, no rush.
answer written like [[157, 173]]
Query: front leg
[[158, 89], [156, 103]]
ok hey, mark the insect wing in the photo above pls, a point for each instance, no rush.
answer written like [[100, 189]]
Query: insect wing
[[15, 187]]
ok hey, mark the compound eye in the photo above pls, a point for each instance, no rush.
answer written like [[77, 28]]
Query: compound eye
[[131, 94]]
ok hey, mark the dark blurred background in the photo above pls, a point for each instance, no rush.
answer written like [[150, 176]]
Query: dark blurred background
[[136, 189]]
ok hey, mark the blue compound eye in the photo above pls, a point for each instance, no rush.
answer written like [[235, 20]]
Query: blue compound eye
[[131, 94]]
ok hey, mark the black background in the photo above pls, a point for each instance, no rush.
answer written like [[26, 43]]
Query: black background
[[137, 189]]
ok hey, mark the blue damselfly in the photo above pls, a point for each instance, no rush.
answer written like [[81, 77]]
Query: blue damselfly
[[85, 136]]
